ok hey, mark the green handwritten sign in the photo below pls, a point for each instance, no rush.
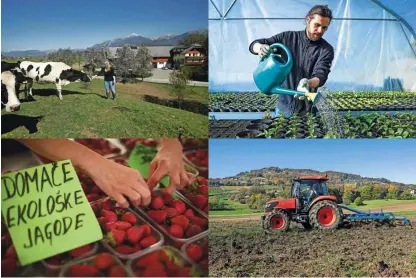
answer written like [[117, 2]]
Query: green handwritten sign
[[46, 211]]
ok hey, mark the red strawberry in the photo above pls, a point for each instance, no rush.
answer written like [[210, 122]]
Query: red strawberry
[[121, 225], [157, 215], [117, 236], [204, 162], [107, 205], [11, 252], [111, 216], [167, 198], [165, 227], [204, 264], [206, 209], [148, 241], [193, 230], [109, 225], [80, 251], [137, 247], [179, 205], [202, 222], [172, 268], [176, 231], [129, 217], [55, 260], [81, 270], [157, 202], [189, 213], [147, 229], [92, 197], [135, 234], [171, 212], [180, 220], [95, 189], [102, 220], [184, 272], [190, 196], [194, 252], [117, 271], [202, 180], [125, 249], [147, 260], [8, 267], [200, 201], [103, 261], [155, 269], [203, 190], [200, 154], [6, 240]]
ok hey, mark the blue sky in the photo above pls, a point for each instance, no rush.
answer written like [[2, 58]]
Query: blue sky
[[51, 24], [391, 159]]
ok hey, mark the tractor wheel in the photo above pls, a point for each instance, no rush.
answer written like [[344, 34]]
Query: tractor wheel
[[278, 220], [325, 215]]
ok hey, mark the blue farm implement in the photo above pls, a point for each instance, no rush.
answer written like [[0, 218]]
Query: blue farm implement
[[380, 217]]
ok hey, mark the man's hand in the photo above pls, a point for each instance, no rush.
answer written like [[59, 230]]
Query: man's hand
[[119, 181], [261, 49], [169, 162], [303, 86]]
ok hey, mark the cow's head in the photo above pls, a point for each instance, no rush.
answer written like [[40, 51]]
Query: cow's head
[[9, 97], [74, 75]]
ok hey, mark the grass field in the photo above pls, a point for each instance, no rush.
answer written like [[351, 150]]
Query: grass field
[[87, 113]]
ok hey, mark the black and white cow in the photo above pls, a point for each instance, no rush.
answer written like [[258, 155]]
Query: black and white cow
[[11, 78], [52, 72]]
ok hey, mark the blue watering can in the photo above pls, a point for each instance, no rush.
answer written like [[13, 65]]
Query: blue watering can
[[272, 71]]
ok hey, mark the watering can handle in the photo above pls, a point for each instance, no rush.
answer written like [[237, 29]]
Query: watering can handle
[[277, 45]]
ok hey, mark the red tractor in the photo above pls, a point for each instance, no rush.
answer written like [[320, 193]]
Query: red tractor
[[311, 205]]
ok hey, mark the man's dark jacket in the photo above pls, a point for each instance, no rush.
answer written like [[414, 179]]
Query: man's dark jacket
[[310, 59]]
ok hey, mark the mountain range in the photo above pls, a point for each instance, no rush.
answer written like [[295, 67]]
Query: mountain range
[[284, 176], [133, 39]]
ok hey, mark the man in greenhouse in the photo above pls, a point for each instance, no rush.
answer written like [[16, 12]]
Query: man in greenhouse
[[312, 59]]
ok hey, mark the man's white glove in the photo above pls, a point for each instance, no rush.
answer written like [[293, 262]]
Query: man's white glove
[[303, 86], [261, 49]]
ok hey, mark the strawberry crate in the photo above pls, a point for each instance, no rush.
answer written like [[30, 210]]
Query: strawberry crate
[[197, 252], [197, 194], [126, 233], [176, 217], [10, 265], [198, 159], [53, 265], [164, 261], [101, 265], [105, 147]]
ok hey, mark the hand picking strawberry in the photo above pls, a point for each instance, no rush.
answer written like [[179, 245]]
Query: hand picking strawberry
[[169, 162]]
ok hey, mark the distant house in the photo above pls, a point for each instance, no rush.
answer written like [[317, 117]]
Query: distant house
[[189, 55], [413, 191], [170, 56], [160, 54]]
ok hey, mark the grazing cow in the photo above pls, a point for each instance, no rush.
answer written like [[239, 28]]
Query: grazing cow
[[11, 78], [53, 72]]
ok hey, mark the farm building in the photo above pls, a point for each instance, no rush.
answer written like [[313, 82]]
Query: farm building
[[189, 55], [160, 54]]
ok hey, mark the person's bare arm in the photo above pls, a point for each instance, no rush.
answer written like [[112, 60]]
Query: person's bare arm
[[116, 180]]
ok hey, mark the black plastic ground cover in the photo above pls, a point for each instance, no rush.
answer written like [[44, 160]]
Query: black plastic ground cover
[[242, 102], [371, 125]]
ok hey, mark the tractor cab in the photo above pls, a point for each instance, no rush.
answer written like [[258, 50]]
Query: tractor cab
[[306, 189]]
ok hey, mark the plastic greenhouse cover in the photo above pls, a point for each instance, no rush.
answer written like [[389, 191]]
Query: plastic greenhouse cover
[[374, 50]]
